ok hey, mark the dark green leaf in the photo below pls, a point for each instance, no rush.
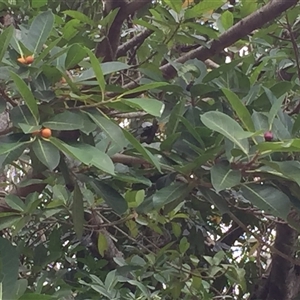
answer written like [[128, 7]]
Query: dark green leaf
[[223, 177], [46, 153], [40, 30], [27, 96], [267, 198], [9, 261], [78, 211], [65, 121]]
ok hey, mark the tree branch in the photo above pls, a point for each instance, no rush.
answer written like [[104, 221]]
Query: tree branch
[[107, 48], [138, 39], [241, 29]]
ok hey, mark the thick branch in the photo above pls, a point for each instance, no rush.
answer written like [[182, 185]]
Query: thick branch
[[107, 48], [138, 39], [241, 29]]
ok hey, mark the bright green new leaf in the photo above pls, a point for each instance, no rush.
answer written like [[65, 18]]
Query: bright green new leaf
[[102, 244]]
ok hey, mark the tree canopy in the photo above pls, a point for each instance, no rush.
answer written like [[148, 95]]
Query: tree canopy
[[149, 149]]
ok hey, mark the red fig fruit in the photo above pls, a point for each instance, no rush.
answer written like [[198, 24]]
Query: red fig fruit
[[268, 136]]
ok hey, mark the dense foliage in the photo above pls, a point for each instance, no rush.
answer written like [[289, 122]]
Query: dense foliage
[[157, 162]]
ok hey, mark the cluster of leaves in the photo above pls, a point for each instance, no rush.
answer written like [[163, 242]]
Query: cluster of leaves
[[164, 206]]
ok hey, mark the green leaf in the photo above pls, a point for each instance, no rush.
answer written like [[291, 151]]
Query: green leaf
[[75, 55], [27, 96], [112, 130], [216, 200], [169, 194], [110, 196], [99, 159], [184, 245], [8, 147], [228, 127], [142, 150], [223, 177], [5, 39], [240, 109], [65, 121], [174, 4], [9, 261], [201, 8], [40, 30], [97, 69], [102, 243], [47, 153], [276, 107], [145, 87], [22, 115], [149, 105], [290, 169], [227, 19], [267, 198], [73, 151], [15, 202], [78, 211], [79, 16], [32, 296], [38, 3]]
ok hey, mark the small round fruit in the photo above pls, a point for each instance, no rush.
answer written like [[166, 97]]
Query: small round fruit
[[29, 59], [46, 133], [22, 60], [268, 136]]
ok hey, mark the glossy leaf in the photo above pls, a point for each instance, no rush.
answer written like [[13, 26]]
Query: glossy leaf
[[15, 202], [46, 153], [228, 127], [110, 196], [240, 109], [98, 71], [27, 96], [75, 55], [169, 194], [223, 177], [112, 130], [39, 30], [5, 39], [65, 121], [267, 198], [150, 106]]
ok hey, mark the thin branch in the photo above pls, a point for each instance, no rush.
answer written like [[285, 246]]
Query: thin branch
[[241, 29]]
